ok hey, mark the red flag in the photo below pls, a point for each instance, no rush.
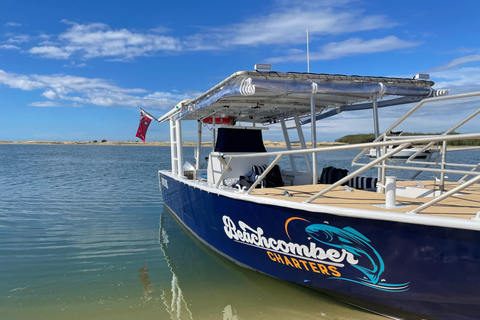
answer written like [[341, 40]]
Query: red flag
[[145, 120]]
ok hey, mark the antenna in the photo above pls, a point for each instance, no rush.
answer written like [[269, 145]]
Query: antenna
[[308, 56]]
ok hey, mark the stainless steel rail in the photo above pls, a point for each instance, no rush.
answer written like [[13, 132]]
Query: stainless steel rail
[[412, 159], [375, 163], [380, 162]]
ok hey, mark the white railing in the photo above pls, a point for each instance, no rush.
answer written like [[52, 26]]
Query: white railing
[[413, 158], [375, 163], [380, 161]]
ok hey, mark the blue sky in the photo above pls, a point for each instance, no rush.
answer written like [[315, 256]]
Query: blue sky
[[80, 70]]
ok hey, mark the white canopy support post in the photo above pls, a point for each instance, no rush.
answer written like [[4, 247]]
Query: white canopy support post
[[198, 150], [178, 134], [213, 133], [377, 133], [314, 132], [173, 146]]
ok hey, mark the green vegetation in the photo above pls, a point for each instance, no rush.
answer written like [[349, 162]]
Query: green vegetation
[[472, 142], [357, 138], [369, 137]]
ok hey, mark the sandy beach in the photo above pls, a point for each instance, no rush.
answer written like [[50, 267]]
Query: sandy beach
[[267, 143]]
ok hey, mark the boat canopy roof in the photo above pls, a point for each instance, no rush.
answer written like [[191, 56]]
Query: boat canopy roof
[[266, 97]]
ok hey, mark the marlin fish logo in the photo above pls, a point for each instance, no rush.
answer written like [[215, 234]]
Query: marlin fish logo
[[352, 241]]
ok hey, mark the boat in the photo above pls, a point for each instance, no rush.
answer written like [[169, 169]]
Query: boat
[[404, 154], [405, 249]]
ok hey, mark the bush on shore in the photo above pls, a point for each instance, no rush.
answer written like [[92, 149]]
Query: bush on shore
[[369, 137]]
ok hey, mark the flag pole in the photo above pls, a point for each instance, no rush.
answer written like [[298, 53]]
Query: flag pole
[[149, 115]]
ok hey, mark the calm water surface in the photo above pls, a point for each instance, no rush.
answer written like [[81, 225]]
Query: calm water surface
[[79, 225]]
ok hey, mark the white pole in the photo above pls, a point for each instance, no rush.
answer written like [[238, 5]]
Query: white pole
[[314, 134], [173, 146], [375, 117], [376, 128], [199, 145], [178, 131], [213, 134]]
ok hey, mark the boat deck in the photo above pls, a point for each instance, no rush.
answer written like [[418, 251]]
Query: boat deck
[[464, 205]]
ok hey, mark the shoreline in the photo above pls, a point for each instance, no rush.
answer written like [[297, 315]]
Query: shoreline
[[267, 143]]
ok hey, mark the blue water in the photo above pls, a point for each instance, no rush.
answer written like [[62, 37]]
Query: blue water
[[79, 225]]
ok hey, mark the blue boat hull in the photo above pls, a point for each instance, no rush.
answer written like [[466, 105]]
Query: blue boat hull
[[410, 271]]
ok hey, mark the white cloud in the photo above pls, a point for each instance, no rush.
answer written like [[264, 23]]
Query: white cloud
[[458, 80], [288, 25], [285, 24], [9, 47], [46, 104], [359, 46], [456, 63], [49, 94], [17, 81], [19, 38], [70, 91], [13, 24], [453, 75], [175, 95], [350, 47], [73, 64], [95, 40], [51, 52]]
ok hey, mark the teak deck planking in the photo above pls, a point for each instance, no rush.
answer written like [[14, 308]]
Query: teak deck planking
[[464, 205]]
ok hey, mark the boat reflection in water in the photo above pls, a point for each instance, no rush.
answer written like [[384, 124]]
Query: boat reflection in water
[[207, 286]]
